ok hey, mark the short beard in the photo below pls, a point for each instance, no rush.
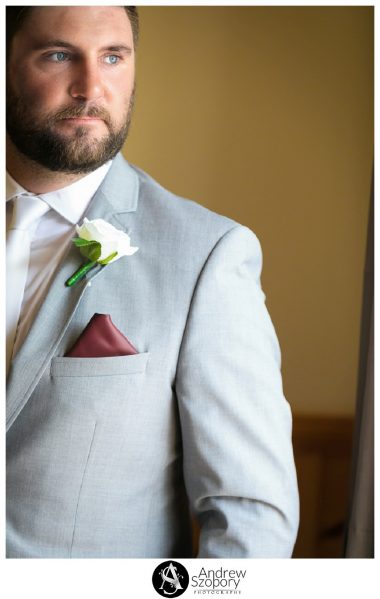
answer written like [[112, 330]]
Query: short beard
[[37, 141]]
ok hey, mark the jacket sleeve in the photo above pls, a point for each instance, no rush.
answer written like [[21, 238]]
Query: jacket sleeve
[[236, 424]]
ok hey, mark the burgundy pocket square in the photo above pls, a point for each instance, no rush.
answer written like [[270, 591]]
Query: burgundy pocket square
[[101, 339]]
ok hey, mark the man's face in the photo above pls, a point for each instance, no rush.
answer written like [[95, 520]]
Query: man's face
[[70, 86]]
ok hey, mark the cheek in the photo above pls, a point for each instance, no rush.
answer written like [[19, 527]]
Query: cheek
[[121, 87], [118, 106], [122, 95], [36, 88]]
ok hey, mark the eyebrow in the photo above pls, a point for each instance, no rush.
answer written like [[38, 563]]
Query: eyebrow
[[57, 43]]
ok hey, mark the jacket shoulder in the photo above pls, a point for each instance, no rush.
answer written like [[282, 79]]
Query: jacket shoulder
[[172, 210]]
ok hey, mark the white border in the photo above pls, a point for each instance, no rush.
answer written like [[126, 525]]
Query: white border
[[131, 578]]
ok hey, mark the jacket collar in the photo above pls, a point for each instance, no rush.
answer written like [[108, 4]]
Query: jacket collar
[[120, 187]]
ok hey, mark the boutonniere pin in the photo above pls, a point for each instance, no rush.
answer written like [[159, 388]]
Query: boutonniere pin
[[100, 243]]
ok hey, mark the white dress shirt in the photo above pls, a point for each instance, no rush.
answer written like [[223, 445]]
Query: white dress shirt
[[53, 235]]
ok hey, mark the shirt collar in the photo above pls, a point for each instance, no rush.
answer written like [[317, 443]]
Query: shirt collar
[[70, 201]]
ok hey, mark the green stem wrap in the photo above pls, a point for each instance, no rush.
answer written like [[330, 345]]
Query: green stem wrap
[[80, 273]]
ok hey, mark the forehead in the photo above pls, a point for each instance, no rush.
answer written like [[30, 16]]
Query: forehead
[[100, 25]]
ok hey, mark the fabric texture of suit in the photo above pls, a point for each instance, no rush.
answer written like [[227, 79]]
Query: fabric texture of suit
[[105, 456]]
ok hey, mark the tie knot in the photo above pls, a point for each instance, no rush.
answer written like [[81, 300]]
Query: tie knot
[[27, 210]]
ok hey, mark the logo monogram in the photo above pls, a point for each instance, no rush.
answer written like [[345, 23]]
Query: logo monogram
[[170, 579], [173, 581]]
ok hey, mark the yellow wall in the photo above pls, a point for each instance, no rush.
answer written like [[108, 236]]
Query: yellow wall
[[265, 114]]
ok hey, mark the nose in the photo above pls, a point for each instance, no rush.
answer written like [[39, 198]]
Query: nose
[[87, 83]]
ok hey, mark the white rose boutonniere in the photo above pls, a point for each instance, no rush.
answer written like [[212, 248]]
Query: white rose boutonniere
[[100, 243]]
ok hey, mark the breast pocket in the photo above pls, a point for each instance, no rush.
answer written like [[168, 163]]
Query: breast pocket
[[99, 385]]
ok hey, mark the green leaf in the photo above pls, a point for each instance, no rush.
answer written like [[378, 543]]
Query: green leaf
[[91, 250], [78, 241], [106, 260]]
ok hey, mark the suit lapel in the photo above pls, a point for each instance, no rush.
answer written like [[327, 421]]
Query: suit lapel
[[117, 194]]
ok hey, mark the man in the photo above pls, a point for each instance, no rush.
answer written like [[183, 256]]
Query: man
[[111, 456]]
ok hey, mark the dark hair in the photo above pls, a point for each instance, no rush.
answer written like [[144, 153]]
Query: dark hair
[[16, 16]]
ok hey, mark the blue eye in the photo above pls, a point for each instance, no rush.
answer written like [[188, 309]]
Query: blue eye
[[112, 59], [58, 56]]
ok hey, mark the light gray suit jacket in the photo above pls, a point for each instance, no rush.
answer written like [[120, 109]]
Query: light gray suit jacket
[[105, 456]]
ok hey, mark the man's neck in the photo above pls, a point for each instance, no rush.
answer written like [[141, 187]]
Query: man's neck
[[34, 177]]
